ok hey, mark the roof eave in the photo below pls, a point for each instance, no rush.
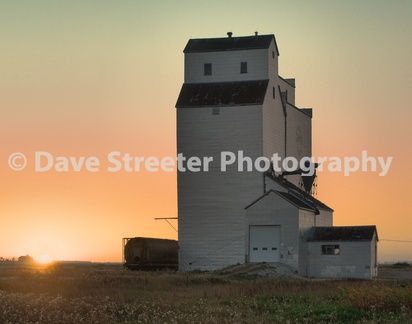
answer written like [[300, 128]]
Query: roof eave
[[223, 105], [352, 240], [188, 50]]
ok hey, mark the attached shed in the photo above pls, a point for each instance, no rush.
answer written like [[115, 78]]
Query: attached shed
[[277, 228], [343, 251]]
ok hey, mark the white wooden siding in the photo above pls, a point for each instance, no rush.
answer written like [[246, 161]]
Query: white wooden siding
[[353, 260], [211, 204], [298, 136], [273, 185], [273, 62], [374, 256], [295, 228], [299, 133], [274, 210], [286, 86], [226, 66], [325, 218], [273, 123], [306, 222]]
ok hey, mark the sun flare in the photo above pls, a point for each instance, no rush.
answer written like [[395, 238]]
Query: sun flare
[[45, 258]]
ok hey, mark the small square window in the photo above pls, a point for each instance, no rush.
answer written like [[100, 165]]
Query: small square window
[[243, 67], [208, 69], [216, 111], [330, 249]]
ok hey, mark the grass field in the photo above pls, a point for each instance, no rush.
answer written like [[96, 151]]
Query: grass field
[[104, 293]]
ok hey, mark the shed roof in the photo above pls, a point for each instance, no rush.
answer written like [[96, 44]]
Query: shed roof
[[343, 233], [222, 94], [230, 43]]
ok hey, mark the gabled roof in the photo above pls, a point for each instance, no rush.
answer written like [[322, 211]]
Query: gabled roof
[[222, 94], [297, 201], [343, 233], [291, 188], [294, 200], [230, 43]]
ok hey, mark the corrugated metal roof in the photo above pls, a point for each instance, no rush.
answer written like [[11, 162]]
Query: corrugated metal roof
[[299, 192], [229, 43], [343, 233], [297, 201], [222, 94], [310, 198]]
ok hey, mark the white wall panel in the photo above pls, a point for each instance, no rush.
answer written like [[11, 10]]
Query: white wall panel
[[353, 260], [226, 66], [274, 210], [211, 204]]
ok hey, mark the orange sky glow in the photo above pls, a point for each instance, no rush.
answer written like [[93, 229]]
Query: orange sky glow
[[86, 79]]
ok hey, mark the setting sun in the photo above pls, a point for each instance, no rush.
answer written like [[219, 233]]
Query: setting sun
[[45, 258]]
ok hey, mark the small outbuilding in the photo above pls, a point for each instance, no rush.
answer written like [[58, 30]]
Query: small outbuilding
[[343, 251]]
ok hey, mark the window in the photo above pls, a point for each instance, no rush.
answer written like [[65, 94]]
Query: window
[[273, 54], [243, 67], [274, 93], [330, 249], [208, 68], [216, 111]]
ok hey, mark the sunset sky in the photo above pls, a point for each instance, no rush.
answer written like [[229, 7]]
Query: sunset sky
[[83, 78]]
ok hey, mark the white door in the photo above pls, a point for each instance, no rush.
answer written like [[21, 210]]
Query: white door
[[264, 243]]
